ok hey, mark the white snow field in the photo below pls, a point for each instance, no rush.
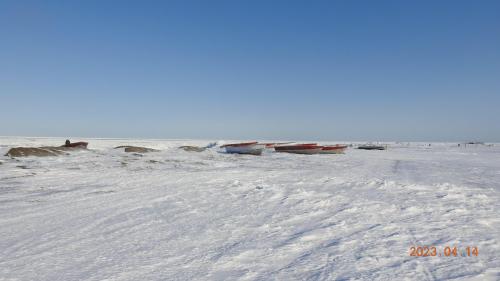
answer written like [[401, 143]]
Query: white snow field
[[104, 214]]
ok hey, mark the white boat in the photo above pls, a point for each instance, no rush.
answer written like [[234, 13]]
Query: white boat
[[252, 148]]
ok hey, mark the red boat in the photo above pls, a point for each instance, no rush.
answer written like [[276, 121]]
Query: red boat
[[273, 144], [333, 149], [306, 148]]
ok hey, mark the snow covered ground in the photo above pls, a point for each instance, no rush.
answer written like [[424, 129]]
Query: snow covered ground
[[103, 214]]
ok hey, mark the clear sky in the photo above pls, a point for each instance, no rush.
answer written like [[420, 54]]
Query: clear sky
[[317, 70]]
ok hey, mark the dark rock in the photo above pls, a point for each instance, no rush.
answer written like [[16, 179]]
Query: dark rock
[[32, 151], [40, 151], [192, 148], [136, 149]]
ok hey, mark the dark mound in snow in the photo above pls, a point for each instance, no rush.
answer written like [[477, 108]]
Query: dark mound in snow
[[137, 149], [192, 148], [40, 151]]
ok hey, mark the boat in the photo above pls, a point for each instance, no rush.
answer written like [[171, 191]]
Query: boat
[[239, 144], [80, 144], [253, 148], [306, 148], [273, 144], [333, 149], [372, 147]]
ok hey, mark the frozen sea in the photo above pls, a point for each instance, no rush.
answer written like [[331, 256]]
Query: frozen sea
[[103, 214]]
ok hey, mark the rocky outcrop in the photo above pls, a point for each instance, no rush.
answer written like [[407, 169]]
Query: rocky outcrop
[[40, 151], [192, 148], [136, 149]]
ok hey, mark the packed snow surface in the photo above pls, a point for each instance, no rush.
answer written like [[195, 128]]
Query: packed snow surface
[[104, 214]]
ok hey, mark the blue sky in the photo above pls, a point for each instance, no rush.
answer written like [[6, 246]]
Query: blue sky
[[317, 70]]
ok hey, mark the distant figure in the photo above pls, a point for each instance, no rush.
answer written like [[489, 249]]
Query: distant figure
[[67, 143]]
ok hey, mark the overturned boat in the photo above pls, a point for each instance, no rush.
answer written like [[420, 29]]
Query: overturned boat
[[80, 144], [333, 149], [372, 147], [305, 148], [253, 148], [273, 144]]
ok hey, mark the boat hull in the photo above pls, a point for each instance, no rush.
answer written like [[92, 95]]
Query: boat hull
[[302, 151], [333, 149], [274, 144], [253, 149], [299, 149], [80, 144], [372, 147]]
